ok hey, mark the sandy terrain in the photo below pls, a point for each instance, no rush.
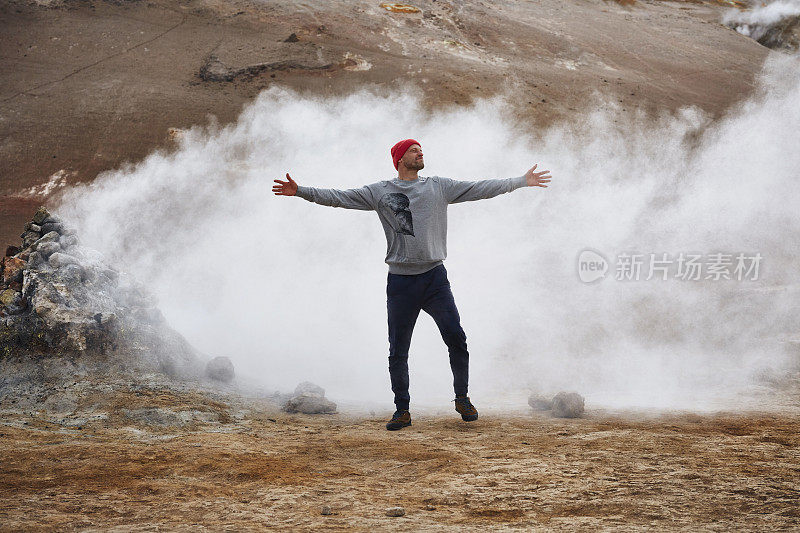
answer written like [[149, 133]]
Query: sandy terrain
[[96, 83], [259, 468]]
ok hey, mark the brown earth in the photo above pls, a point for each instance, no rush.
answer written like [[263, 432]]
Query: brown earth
[[92, 84], [275, 471]]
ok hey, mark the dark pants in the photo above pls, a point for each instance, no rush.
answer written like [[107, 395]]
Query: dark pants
[[405, 297]]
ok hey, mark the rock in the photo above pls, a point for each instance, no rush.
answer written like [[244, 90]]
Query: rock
[[8, 296], [307, 387], [12, 250], [47, 237], [71, 274], [291, 38], [395, 511], [567, 405], [68, 240], [539, 402], [41, 215], [47, 227], [35, 228], [12, 269], [220, 369], [60, 259], [326, 510], [34, 259], [46, 249], [154, 416], [28, 238], [53, 219], [310, 404]]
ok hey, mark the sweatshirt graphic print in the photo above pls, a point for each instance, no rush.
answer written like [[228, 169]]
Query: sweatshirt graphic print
[[413, 213]]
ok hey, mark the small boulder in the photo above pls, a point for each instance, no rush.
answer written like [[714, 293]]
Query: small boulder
[[29, 237], [539, 402], [220, 369], [12, 269], [68, 240], [48, 248], [395, 511], [34, 259], [12, 250], [47, 227], [307, 387], [47, 237], [8, 296], [71, 274], [310, 404], [60, 259], [568, 405], [41, 215]]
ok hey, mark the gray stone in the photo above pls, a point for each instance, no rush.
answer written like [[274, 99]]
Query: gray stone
[[41, 215], [46, 249], [568, 405], [220, 369], [395, 511], [71, 274], [310, 404], [68, 240], [34, 227], [28, 238], [47, 237], [60, 259], [53, 219], [34, 259], [47, 227], [154, 416], [326, 510], [307, 387], [539, 402]]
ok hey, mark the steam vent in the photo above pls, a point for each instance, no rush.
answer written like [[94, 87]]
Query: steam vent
[[59, 298]]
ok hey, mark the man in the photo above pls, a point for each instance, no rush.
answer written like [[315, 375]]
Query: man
[[413, 211]]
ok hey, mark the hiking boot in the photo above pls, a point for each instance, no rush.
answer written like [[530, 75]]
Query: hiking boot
[[400, 419], [466, 409]]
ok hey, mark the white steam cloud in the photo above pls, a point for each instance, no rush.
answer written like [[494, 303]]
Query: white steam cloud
[[756, 22], [294, 291]]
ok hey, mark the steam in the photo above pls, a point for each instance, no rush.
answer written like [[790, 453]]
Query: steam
[[757, 22], [293, 291]]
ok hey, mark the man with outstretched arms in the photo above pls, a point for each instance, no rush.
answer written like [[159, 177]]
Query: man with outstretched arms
[[413, 211]]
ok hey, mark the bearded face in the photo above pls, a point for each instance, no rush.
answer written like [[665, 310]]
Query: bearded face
[[413, 159]]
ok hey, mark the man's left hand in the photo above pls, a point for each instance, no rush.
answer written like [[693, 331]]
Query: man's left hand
[[538, 179]]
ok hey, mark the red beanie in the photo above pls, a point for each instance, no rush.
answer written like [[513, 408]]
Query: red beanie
[[399, 150]]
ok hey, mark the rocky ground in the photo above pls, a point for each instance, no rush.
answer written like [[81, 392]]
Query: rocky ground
[[242, 464]]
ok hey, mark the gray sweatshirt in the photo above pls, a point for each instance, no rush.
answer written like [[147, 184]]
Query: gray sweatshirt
[[413, 213]]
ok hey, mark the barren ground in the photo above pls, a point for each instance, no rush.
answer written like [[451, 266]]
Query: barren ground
[[267, 469]]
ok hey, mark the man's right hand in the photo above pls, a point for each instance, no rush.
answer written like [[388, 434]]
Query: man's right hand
[[285, 188]]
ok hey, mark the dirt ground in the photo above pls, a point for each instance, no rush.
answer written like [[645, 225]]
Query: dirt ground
[[271, 470]]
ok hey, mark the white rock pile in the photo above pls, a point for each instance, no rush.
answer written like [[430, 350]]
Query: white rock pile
[[58, 297]]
